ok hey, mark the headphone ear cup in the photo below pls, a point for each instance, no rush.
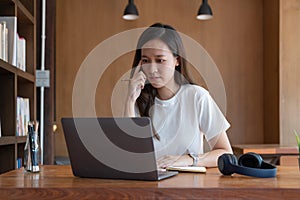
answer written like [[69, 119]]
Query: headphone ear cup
[[251, 160], [226, 163], [234, 160]]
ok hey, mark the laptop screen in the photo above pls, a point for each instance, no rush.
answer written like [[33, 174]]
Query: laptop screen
[[111, 147]]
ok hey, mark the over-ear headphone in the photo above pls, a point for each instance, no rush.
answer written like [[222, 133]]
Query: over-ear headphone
[[249, 164]]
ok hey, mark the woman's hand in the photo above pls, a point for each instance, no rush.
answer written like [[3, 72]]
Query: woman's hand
[[136, 84], [182, 161]]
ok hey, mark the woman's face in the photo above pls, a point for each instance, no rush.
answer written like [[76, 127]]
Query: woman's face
[[158, 63]]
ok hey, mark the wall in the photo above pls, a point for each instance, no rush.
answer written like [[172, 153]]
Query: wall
[[289, 71], [233, 38], [271, 71]]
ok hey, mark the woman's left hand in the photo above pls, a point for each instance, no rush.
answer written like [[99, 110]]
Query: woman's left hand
[[165, 161]]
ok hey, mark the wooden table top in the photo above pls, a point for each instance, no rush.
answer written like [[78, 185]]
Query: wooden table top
[[266, 149], [54, 182]]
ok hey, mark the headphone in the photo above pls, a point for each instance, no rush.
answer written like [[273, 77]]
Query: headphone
[[249, 164]]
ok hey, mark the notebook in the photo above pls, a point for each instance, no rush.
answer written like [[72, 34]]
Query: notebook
[[112, 148]]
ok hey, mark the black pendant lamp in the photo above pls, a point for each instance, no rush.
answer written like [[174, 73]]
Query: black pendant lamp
[[131, 12], [205, 11]]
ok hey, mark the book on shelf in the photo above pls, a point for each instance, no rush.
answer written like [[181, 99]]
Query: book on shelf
[[0, 128], [9, 31], [12, 46], [3, 41], [1, 56], [23, 116], [19, 163], [21, 53]]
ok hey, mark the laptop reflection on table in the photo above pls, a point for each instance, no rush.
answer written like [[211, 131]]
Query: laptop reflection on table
[[113, 148]]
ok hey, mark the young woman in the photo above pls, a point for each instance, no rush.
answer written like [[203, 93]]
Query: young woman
[[181, 112]]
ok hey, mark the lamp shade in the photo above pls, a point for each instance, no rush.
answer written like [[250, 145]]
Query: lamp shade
[[205, 11], [130, 12]]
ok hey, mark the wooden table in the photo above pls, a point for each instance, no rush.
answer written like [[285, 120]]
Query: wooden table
[[58, 182], [273, 153]]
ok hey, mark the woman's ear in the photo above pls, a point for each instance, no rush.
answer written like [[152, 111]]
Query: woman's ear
[[177, 61]]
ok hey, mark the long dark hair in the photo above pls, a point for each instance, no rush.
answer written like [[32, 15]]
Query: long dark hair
[[171, 38]]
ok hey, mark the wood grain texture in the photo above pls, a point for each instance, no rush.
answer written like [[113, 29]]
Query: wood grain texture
[[267, 149], [271, 71], [59, 183], [233, 38], [272, 153], [289, 70]]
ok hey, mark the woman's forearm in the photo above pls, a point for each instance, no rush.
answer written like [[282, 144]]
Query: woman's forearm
[[210, 159], [220, 145], [129, 109]]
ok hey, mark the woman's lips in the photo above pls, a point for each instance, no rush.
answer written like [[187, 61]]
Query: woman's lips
[[154, 78]]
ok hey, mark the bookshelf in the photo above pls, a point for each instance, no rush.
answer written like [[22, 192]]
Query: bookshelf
[[17, 83]]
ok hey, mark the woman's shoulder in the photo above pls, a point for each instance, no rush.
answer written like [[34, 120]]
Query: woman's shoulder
[[195, 89]]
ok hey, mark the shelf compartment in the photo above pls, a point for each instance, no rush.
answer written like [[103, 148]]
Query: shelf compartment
[[7, 8], [28, 5], [15, 82], [7, 158], [23, 14], [20, 153], [6, 67], [26, 30], [8, 108]]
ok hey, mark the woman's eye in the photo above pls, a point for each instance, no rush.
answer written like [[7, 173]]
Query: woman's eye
[[144, 61], [160, 60]]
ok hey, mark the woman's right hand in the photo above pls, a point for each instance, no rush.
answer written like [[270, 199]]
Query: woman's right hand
[[136, 84]]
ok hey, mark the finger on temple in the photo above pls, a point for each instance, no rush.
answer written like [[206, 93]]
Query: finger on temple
[[141, 66], [137, 70]]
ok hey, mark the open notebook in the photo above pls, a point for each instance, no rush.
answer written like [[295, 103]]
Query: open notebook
[[197, 169]]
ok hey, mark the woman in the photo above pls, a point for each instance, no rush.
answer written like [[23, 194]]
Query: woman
[[181, 112]]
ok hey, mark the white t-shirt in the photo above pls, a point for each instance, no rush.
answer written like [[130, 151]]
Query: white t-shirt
[[182, 121]]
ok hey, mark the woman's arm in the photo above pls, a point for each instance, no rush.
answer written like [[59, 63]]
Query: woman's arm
[[221, 146], [209, 159], [136, 84], [129, 108]]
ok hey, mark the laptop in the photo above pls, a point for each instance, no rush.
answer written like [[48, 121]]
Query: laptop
[[112, 148]]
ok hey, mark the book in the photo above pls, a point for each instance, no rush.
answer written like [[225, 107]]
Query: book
[[21, 53], [4, 41], [0, 128], [1, 41], [23, 116], [19, 163], [9, 42]]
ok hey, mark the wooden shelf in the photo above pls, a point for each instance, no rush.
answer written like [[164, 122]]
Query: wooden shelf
[[8, 140], [15, 82], [29, 5], [7, 2], [25, 76], [21, 139], [23, 11], [6, 67]]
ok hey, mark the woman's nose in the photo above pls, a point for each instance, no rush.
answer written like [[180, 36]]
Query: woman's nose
[[152, 67]]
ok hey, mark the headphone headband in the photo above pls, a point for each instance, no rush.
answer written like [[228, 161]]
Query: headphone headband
[[250, 164]]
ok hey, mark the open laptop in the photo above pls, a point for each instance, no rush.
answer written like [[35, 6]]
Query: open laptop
[[114, 148]]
